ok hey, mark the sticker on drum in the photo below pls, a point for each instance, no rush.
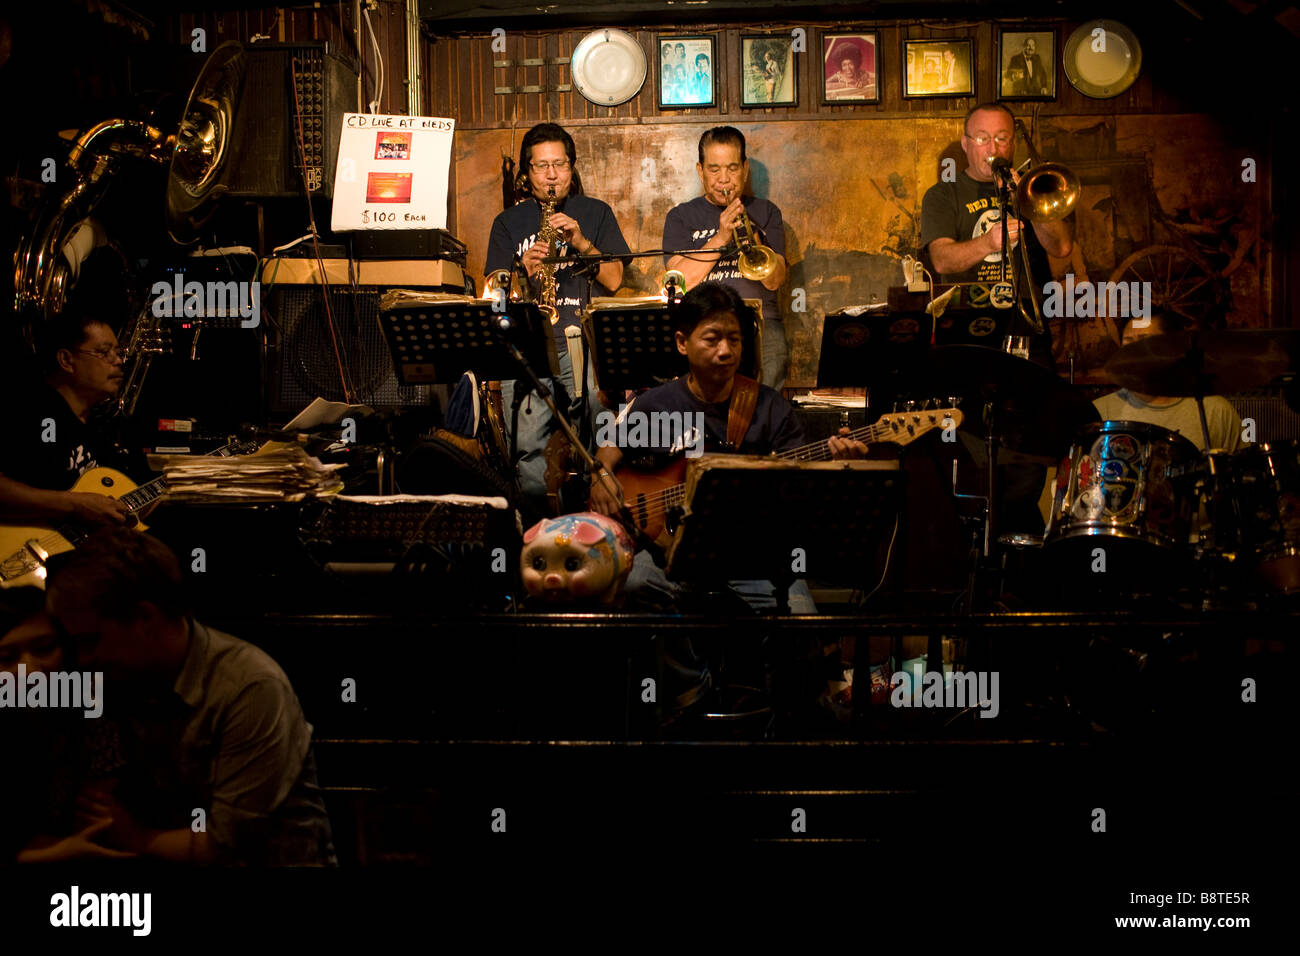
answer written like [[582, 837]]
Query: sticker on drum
[[1113, 469], [1119, 495], [982, 325], [1089, 504], [1122, 447]]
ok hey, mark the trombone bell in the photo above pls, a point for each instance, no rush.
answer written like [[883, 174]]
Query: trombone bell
[[1048, 193]]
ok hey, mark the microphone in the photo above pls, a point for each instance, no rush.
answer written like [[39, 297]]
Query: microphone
[[1001, 167]]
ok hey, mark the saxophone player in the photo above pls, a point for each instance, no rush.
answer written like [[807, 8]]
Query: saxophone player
[[548, 175]]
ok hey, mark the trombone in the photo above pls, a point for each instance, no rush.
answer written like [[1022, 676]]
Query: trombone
[[756, 261], [1047, 193]]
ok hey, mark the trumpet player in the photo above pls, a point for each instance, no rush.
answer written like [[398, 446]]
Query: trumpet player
[[548, 178], [713, 224]]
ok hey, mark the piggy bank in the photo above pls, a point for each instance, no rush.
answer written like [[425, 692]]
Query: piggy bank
[[579, 557]]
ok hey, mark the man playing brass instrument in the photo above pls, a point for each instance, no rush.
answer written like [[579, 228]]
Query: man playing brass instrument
[[709, 223], [547, 168]]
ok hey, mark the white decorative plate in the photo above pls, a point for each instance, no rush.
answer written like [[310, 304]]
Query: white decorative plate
[[608, 67], [1102, 59]]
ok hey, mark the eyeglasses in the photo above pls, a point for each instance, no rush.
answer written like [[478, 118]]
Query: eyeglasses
[[103, 354], [560, 165], [982, 139]]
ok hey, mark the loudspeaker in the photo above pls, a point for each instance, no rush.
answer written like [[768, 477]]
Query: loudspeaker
[[303, 362], [265, 161]]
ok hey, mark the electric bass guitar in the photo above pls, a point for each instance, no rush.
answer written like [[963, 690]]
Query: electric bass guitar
[[654, 498], [26, 550]]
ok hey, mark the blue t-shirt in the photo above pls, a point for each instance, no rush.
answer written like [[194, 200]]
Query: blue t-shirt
[[690, 225], [515, 230], [774, 427]]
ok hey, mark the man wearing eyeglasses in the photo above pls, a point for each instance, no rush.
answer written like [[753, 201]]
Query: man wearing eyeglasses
[[708, 224], [51, 441], [960, 220], [547, 158], [961, 228]]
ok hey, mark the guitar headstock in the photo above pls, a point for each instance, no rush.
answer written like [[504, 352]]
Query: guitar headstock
[[913, 422]]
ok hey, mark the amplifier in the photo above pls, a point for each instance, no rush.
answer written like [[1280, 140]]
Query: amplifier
[[408, 244], [279, 79]]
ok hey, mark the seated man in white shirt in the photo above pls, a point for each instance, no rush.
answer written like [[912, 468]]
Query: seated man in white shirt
[[1176, 414]]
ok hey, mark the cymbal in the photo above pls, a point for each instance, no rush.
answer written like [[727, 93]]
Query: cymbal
[[1036, 412], [1204, 363]]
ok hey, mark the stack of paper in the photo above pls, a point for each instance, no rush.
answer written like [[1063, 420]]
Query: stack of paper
[[285, 474]]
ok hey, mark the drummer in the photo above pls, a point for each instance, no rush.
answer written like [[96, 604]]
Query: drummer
[[1176, 414]]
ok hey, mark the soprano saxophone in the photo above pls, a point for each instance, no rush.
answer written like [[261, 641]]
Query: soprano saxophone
[[551, 236]]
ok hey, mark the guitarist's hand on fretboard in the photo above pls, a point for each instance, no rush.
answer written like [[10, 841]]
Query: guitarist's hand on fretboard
[[94, 509], [843, 447]]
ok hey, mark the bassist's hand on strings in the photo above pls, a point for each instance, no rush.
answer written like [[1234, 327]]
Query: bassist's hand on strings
[[603, 500], [843, 447]]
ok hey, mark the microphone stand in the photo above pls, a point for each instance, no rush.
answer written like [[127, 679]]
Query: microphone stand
[[505, 327]]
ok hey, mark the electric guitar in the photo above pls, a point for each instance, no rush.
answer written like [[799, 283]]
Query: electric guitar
[[654, 497], [26, 550]]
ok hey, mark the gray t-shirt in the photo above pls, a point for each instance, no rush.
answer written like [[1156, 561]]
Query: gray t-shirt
[[231, 739], [1181, 417]]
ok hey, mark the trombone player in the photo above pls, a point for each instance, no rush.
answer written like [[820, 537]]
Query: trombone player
[[961, 223], [961, 228], [720, 224]]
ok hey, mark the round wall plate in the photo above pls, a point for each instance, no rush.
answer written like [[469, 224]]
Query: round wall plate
[[1102, 59], [608, 67]]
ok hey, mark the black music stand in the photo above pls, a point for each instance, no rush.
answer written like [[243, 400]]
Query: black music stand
[[633, 345], [839, 514], [434, 341]]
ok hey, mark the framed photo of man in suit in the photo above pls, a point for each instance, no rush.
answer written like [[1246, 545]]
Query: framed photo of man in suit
[[1027, 65]]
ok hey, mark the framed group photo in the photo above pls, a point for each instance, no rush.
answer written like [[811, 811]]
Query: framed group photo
[[1027, 65], [686, 71], [767, 71], [938, 68], [850, 69]]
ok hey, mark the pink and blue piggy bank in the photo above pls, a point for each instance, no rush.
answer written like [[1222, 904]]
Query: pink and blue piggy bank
[[583, 557]]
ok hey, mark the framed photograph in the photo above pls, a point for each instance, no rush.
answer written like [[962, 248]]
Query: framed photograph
[[938, 68], [850, 68], [767, 71], [686, 71], [1027, 65]]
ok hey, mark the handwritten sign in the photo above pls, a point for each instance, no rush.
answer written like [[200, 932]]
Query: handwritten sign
[[392, 172]]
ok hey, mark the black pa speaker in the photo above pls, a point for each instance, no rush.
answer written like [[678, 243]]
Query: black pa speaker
[[281, 82], [306, 356]]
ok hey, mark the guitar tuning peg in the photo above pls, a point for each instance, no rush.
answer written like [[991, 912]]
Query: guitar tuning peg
[[911, 406], [954, 401], [895, 410], [928, 404]]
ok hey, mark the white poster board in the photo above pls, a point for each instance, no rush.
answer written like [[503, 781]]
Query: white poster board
[[392, 172]]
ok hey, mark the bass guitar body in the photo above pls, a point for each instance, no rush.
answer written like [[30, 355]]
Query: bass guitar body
[[649, 496]]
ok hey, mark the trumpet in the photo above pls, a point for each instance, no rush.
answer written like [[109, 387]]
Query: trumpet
[[757, 261]]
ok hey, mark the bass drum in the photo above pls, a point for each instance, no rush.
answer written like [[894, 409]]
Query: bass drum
[[1128, 489], [1268, 492]]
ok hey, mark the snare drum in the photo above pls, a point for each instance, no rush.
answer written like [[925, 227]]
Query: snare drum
[[1129, 482], [1268, 490]]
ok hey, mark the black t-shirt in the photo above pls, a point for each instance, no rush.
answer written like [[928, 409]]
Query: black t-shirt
[[515, 230], [774, 427], [690, 225], [966, 209], [50, 447]]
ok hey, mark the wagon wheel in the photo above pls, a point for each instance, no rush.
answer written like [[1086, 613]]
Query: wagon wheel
[[1179, 283]]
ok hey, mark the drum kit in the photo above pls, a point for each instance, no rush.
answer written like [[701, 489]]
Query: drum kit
[[1136, 508]]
